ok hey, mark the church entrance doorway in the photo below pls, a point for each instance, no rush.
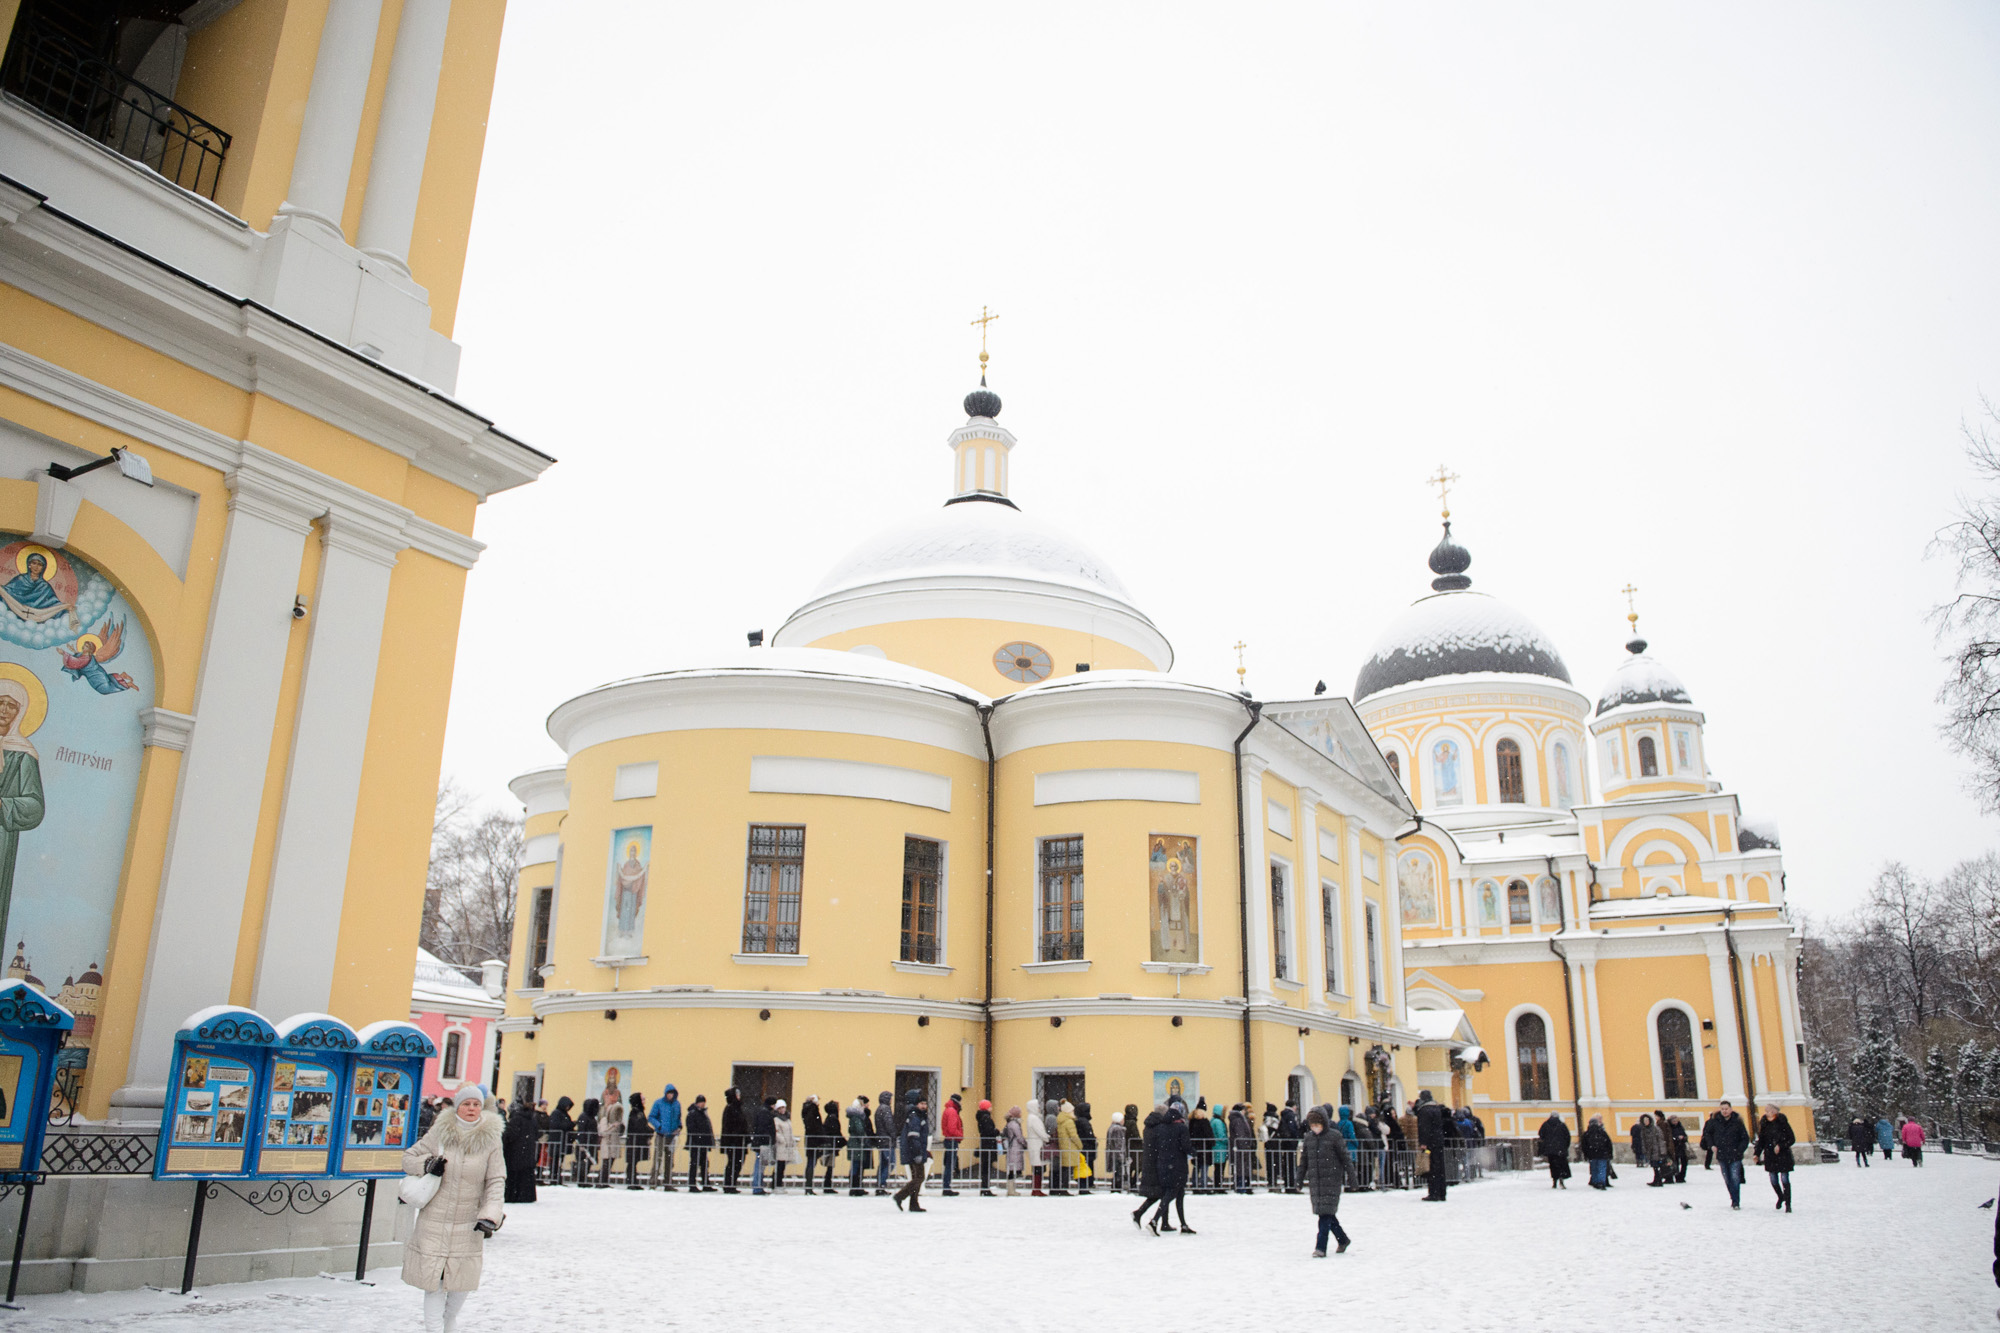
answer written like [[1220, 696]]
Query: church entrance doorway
[[1060, 1085], [761, 1081], [912, 1084]]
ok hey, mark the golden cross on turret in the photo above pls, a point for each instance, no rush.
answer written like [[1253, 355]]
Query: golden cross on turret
[[1631, 607], [1240, 668], [985, 317], [1443, 481]]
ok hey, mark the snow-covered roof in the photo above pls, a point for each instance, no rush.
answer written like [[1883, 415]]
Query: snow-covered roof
[[980, 538], [1754, 835], [439, 985], [814, 662], [1436, 1024], [1455, 634], [1518, 847], [1641, 680]]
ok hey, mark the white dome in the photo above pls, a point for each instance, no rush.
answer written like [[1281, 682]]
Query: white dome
[[976, 537], [1641, 680], [1458, 634]]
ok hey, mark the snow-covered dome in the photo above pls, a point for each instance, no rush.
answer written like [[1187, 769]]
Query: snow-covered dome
[[1640, 680], [974, 537], [1458, 633]]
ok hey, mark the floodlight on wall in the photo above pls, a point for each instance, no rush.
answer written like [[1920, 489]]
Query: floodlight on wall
[[923, 1020], [1177, 1020], [611, 1015], [129, 464], [1055, 1022], [764, 1014]]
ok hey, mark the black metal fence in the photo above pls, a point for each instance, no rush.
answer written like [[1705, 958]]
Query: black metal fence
[[92, 97], [585, 1160]]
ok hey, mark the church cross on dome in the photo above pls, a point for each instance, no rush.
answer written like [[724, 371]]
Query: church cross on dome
[[1635, 644], [1443, 481], [985, 317]]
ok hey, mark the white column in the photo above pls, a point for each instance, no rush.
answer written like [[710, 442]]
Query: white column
[[1306, 898], [1728, 1042], [1392, 927], [323, 785], [1357, 925], [214, 830], [396, 171], [1753, 1022], [1258, 867], [1579, 1021], [333, 112], [1595, 1027], [1788, 1018]]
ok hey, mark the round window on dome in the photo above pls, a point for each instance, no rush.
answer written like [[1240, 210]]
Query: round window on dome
[[1023, 662]]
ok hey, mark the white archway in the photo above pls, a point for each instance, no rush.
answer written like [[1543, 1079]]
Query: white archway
[[1653, 1048]]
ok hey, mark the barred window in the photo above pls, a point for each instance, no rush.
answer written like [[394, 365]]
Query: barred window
[[538, 938], [921, 859], [1373, 915], [1649, 758], [1520, 912], [1676, 1055], [1531, 1055], [1281, 921], [454, 1055], [773, 887], [1512, 790], [1329, 910], [1061, 900]]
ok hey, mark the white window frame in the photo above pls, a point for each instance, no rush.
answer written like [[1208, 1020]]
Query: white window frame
[[1284, 926], [1514, 1052]]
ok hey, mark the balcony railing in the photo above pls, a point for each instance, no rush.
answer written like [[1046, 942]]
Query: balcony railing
[[126, 116]]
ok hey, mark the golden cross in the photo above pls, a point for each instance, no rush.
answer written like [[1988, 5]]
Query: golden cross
[[985, 317], [1443, 481], [1240, 668], [1631, 607]]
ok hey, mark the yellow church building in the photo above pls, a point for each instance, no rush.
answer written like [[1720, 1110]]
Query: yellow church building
[[1611, 956], [959, 828], [236, 517]]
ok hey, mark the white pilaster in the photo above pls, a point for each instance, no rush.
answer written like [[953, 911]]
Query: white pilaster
[[396, 171], [1595, 1027], [1579, 1021], [323, 785], [1306, 899], [1258, 868], [1788, 1019], [1392, 926], [333, 112], [1728, 1042], [1357, 925], [1753, 1021], [214, 828]]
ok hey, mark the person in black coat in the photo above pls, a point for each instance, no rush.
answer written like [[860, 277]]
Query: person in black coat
[[519, 1143], [1677, 1147], [815, 1136], [1086, 1137], [1432, 1137], [562, 1137], [1167, 1150], [1324, 1157], [735, 1138], [1597, 1151], [916, 1147], [1730, 1139], [989, 1143], [701, 1139], [1774, 1151], [1861, 1138], [835, 1140], [586, 1140], [638, 1139], [763, 1140], [1287, 1143], [1552, 1139], [1148, 1138]]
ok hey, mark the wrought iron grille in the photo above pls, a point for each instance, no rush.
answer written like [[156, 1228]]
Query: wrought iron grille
[[93, 98], [92, 1154]]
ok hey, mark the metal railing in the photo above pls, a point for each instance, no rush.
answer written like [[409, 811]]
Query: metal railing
[[49, 74]]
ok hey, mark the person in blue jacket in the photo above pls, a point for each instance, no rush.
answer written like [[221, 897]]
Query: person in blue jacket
[[665, 1118], [1885, 1138], [1348, 1133], [916, 1152]]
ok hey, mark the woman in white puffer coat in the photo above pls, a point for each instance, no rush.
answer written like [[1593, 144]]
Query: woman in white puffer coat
[[1037, 1132], [443, 1254]]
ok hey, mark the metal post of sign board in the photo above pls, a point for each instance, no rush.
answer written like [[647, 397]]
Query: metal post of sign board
[[20, 1242], [367, 1222], [194, 1235]]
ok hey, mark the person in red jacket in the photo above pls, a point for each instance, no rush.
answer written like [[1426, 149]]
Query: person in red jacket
[[951, 1127], [1913, 1142]]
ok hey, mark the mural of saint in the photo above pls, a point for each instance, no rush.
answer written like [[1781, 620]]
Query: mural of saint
[[1489, 904], [23, 705], [1444, 763], [1683, 750], [30, 595], [1561, 762], [1174, 884], [1551, 901], [1417, 885], [625, 892]]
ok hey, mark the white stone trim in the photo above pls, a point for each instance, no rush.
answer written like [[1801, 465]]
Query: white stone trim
[[335, 100], [631, 782], [922, 969], [166, 729], [540, 850], [1059, 965], [1174, 786], [770, 959], [801, 775], [542, 791]]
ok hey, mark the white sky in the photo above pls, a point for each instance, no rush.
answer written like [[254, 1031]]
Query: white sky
[[1692, 296]]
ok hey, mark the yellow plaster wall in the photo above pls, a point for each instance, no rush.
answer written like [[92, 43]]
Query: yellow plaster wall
[[1627, 989], [1777, 1075], [963, 649], [249, 72], [457, 149]]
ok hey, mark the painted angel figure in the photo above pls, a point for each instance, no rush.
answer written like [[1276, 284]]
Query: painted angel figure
[[85, 658]]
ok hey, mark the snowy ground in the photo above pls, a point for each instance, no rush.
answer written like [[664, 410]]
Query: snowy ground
[[1889, 1248]]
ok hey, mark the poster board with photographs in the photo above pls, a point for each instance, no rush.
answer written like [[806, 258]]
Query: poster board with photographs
[[215, 1093], [32, 1030], [384, 1093], [305, 1107]]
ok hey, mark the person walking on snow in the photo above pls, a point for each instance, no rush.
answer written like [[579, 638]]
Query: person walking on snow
[[1861, 1139], [916, 1151], [1597, 1152], [1774, 1151], [1649, 1150], [1913, 1142], [1431, 1118], [1553, 1141], [1325, 1157], [520, 1142], [1885, 1138], [1147, 1137], [952, 1128], [447, 1242], [1731, 1139], [1168, 1148]]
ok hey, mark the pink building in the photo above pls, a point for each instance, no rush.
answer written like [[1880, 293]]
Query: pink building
[[460, 1015]]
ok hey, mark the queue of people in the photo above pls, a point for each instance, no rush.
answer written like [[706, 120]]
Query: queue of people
[[1865, 1136]]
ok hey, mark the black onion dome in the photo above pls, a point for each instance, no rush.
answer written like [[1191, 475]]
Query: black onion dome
[[982, 401], [1641, 680], [1458, 633], [1449, 561]]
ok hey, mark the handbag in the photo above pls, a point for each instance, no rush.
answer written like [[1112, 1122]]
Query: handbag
[[419, 1190]]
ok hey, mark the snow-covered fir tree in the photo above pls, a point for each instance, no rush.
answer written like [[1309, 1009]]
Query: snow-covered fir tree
[[1829, 1085], [1906, 1084], [1969, 1087], [1870, 1071], [1940, 1100]]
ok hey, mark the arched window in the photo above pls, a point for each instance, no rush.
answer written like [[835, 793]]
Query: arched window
[[1649, 758], [454, 1054], [1395, 764], [1531, 1055], [1676, 1055], [1519, 912], [1512, 790]]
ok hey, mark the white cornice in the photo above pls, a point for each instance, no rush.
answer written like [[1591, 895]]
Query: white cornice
[[1080, 709], [579, 1002]]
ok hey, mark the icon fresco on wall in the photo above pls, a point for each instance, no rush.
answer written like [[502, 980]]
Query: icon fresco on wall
[[1563, 796], [1444, 763], [1489, 903], [1416, 885], [76, 668], [1172, 1084], [625, 892], [1551, 898], [1175, 884], [608, 1078]]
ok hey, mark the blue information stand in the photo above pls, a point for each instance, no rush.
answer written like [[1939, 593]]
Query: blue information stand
[[215, 1096], [385, 1091], [33, 1029], [305, 1112]]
